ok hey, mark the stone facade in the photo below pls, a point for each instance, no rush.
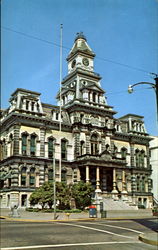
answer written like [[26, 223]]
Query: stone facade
[[92, 145]]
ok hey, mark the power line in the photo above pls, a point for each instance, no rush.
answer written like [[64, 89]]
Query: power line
[[58, 45]]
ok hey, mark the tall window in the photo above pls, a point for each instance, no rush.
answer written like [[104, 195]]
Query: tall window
[[32, 177], [63, 175], [123, 153], [50, 175], [33, 145], [23, 176], [24, 144], [94, 97], [94, 144], [82, 143], [63, 149], [137, 158], [50, 147], [142, 155]]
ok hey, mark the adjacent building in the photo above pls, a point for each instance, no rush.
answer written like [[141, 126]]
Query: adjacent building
[[82, 136]]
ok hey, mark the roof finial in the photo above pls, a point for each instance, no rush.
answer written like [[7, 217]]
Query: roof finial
[[80, 35]]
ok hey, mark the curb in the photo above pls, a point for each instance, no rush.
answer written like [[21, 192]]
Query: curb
[[148, 241]]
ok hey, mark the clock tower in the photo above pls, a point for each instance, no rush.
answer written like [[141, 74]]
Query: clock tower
[[81, 55]]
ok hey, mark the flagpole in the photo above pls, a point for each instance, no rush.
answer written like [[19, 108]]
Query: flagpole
[[61, 59]]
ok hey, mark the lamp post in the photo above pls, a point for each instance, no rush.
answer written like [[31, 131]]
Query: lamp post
[[153, 85]]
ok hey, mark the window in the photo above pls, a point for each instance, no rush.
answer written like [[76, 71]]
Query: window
[[94, 97], [57, 116], [27, 105], [94, 144], [123, 153], [82, 143], [143, 184], [23, 176], [24, 144], [50, 175], [138, 183], [32, 106], [50, 147], [32, 177], [63, 175], [137, 158], [33, 145], [142, 155], [63, 149]]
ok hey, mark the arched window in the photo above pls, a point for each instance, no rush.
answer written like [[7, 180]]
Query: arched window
[[137, 157], [50, 147], [94, 144], [63, 175], [141, 160], [24, 144], [50, 175], [32, 177], [23, 176], [94, 97], [82, 143], [123, 153], [33, 145], [63, 149], [138, 184]]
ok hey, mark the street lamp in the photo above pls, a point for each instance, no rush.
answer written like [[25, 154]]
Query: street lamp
[[153, 85]]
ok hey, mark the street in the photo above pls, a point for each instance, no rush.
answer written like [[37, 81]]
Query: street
[[76, 235]]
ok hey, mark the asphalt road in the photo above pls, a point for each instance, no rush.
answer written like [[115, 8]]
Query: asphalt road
[[79, 235]]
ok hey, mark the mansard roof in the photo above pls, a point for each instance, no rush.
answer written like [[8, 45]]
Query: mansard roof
[[81, 46]]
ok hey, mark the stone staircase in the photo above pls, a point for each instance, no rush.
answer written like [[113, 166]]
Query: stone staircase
[[123, 209], [111, 204]]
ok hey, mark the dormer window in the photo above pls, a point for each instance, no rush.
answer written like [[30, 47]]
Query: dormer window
[[94, 97], [56, 116], [27, 105], [32, 106]]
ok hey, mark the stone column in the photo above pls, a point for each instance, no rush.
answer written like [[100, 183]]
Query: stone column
[[14, 175], [114, 191], [42, 142], [16, 140], [77, 143], [132, 154], [78, 175], [87, 143], [41, 175], [87, 173], [97, 178], [124, 191], [27, 177]]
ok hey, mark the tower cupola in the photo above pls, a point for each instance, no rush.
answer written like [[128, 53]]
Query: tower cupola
[[81, 55]]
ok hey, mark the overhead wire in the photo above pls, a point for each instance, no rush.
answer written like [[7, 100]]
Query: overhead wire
[[58, 45]]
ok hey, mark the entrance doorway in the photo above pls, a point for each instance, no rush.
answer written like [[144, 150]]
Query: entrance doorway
[[23, 200]]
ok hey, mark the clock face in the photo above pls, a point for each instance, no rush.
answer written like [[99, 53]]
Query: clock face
[[85, 61], [73, 63]]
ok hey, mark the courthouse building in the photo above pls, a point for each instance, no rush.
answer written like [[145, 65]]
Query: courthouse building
[[87, 142]]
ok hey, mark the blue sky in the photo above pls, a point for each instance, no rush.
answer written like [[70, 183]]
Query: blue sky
[[120, 32]]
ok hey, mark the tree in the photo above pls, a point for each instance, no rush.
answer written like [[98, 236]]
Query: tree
[[82, 193], [43, 195], [63, 195]]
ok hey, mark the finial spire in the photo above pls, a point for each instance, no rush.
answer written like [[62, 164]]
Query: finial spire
[[80, 35]]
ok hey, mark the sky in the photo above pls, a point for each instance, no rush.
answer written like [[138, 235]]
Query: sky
[[122, 33]]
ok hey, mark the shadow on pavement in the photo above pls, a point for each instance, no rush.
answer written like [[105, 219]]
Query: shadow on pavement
[[151, 223]]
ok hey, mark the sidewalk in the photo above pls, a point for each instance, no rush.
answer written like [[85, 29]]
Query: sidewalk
[[149, 238], [39, 216]]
